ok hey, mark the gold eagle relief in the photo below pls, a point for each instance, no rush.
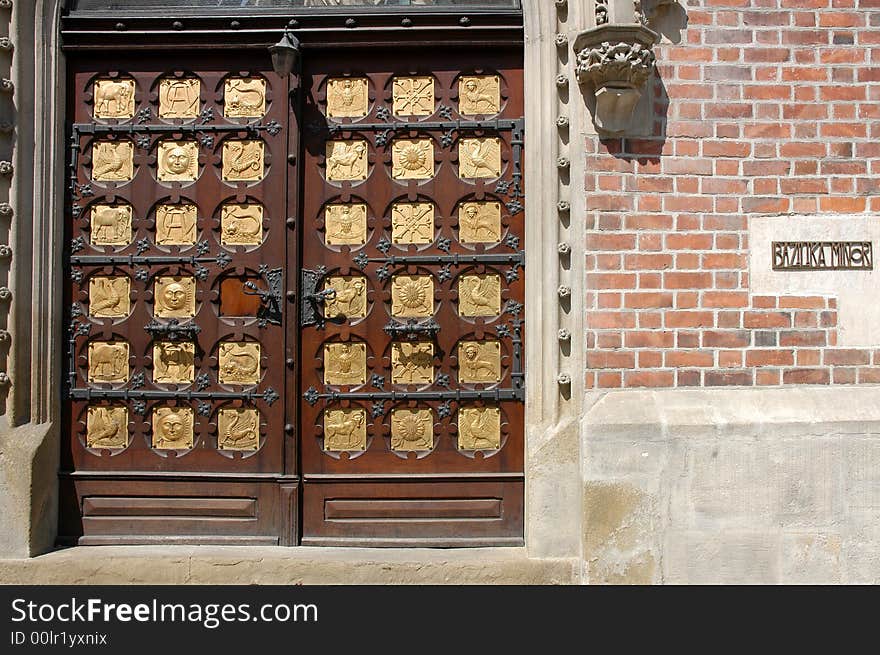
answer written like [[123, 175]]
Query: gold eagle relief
[[243, 161], [173, 428], [241, 225], [346, 160], [479, 361], [479, 295], [413, 96], [479, 95], [345, 224], [178, 161], [412, 222], [239, 362], [479, 428], [412, 363], [111, 225], [244, 97], [114, 98], [179, 97], [350, 300], [107, 427], [109, 297], [238, 429], [174, 362], [412, 430], [412, 296], [176, 224], [479, 222], [108, 362], [345, 430], [345, 363], [347, 97], [479, 158], [175, 297], [113, 161]]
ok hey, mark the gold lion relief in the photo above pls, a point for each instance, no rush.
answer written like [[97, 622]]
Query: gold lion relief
[[479, 222], [114, 99], [179, 98], [412, 159], [412, 296], [107, 427], [113, 161], [108, 361], [412, 222], [176, 224], [111, 225], [346, 160], [351, 297], [243, 161], [175, 297], [244, 97], [412, 363], [479, 95], [345, 224], [479, 295], [109, 297], [178, 161], [174, 362], [241, 225], [173, 428], [238, 429], [239, 362], [345, 363], [412, 430], [413, 96], [479, 361], [479, 158], [347, 98], [345, 430], [479, 428]]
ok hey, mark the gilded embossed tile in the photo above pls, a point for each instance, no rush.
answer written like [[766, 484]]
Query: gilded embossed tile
[[114, 98], [243, 161], [174, 362], [239, 362], [348, 97], [107, 427], [350, 300], [412, 363], [112, 161], [179, 97], [244, 97], [479, 428], [176, 224], [174, 297], [479, 95], [111, 225], [479, 295], [109, 297], [345, 363], [108, 361], [412, 296], [178, 161], [347, 160], [238, 429], [479, 158], [412, 159], [173, 428], [413, 96], [345, 430], [479, 361], [345, 224], [412, 430], [479, 222], [241, 225], [412, 222]]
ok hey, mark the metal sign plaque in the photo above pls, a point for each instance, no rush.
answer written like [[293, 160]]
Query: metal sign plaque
[[823, 256]]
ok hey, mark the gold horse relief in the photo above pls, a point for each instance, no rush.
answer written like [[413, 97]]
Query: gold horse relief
[[479, 295], [243, 161], [179, 98], [114, 98], [238, 429], [175, 297], [244, 97], [107, 427], [174, 362], [346, 160], [108, 362], [239, 362], [412, 430], [347, 98], [345, 224], [412, 363], [479, 428], [176, 224], [345, 363], [111, 225], [113, 161], [173, 428], [345, 430], [241, 225], [109, 297]]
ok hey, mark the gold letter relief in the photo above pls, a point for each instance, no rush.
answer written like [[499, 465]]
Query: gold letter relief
[[176, 224], [179, 98]]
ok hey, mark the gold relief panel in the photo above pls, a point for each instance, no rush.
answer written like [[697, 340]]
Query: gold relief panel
[[351, 297], [479, 95], [479, 222], [413, 96], [174, 362], [112, 161], [345, 224], [412, 222], [109, 296], [108, 361], [111, 225], [114, 99], [479, 158], [173, 428], [175, 297], [239, 362], [238, 429], [412, 430], [346, 160], [179, 98], [479, 295], [178, 161], [412, 159], [345, 363], [348, 98], [479, 361], [412, 363], [244, 97], [243, 161], [345, 430], [107, 427], [176, 224], [479, 428], [412, 296], [241, 225]]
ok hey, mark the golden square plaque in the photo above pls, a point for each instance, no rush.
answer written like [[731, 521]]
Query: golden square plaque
[[179, 98], [114, 99], [241, 225], [178, 161], [345, 363], [238, 429], [479, 295], [345, 224], [412, 296], [479, 428], [412, 222], [109, 296], [174, 362], [347, 160], [351, 297], [243, 161], [244, 97], [175, 297], [479, 361], [107, 427], [412, 159], [479, 222], [173, 428], [239, 362], [412, 430], [479, 95], [108, 361], [413, 96], [111, 225], [347, 97], [412, 363], [479, 158], [345, 430], [112, 161], [176, 224]]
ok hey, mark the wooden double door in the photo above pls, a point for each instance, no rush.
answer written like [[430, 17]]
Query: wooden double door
[[296, 303]]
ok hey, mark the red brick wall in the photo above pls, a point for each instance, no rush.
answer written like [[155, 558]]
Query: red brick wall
[[772, 108]]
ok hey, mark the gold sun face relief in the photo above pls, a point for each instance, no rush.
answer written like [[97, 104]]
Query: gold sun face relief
[[345, 430], [479, 222], [238, 429], [113, 161], [179, 98], [412, 159], [479, 428], [479, 158], [243, 161], [241, 225], [345, 224], [479, 362], [347, 98], [111, 225], [178, 161], [412, 222], [244, 97], [174, 362], [346, 160], [413, 96], [345, 363], [114, 99], [239, 362], [351, 297], [412, 363], [176, 224], [479, 95], [107, 427], [108, 362], [175, 297], [173, 428], [412, 296], [109, 296], [479, 295], [412, 430]]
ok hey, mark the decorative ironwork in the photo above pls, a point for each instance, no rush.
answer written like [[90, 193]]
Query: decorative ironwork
[[270, 298], [311, 299], [313, 396], [222, 260], [172, 330], [516, 259], [412, 328], [269, 396], [823, 256]]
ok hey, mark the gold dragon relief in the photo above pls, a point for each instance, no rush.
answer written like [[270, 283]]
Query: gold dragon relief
[[412, 430], [173, 428], [244, 161], [238, 429], [175, 297], [113, 161], [479, 95], [412, 296], [412, 159], [179, 97], [479, 158], [239, 362], [412, 222], [111, 225], [114, 98], [108, 362], [347, 160], [348, 97], [479, 428], [479, 222], [176, 224], [345, 363], [178, 161], [479, 362], [345, 224], [241, 225], [244, 97], [109, 296], [345, 430], [107, 427], [479, 295], [413, 96], [350, 298], [174, 362], [412, 363]]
